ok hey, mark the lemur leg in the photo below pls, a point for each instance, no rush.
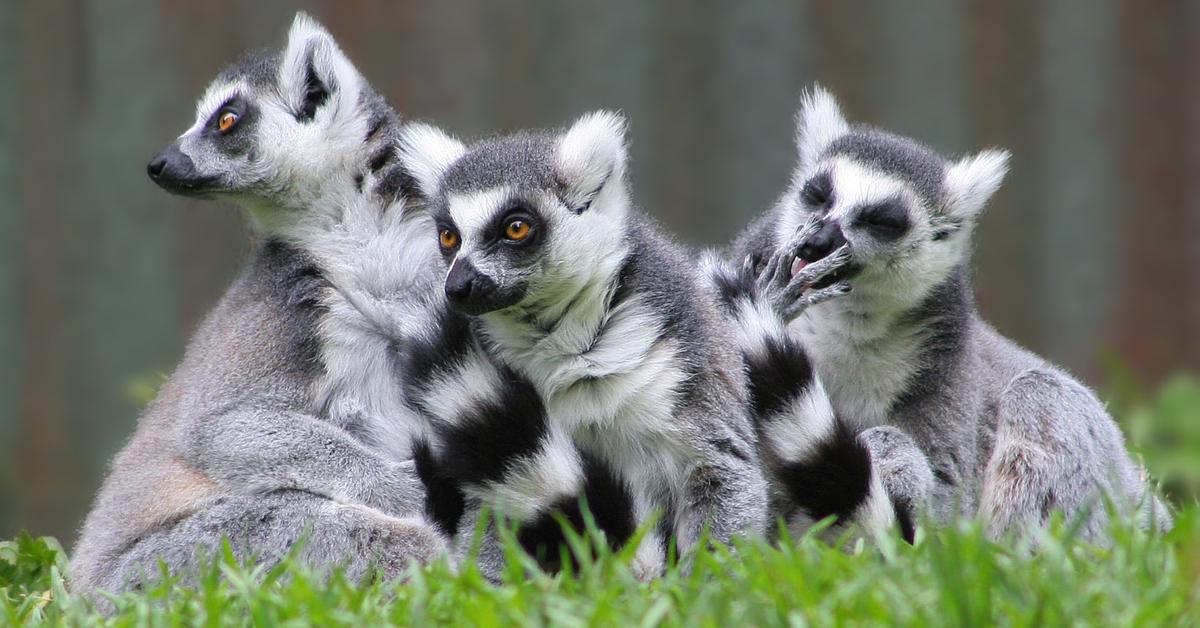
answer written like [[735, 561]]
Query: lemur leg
[[485, 546], [267, 527], [260, 450], [904, 473], [727, 496], [1056, 449]]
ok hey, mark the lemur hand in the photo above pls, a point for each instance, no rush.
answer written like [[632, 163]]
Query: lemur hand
[[394, 489], [786, 283]]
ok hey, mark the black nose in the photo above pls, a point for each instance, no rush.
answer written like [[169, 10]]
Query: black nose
[[465, 285], [156, 166], [171, 166], [822, 243], [175, 172]]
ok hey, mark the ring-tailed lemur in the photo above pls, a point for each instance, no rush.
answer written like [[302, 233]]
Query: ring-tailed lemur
[[284, 417], [589, 301], [948, 406]]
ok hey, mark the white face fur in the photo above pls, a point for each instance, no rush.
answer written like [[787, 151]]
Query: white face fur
[[272, 132], [526, 220], [905, 213]]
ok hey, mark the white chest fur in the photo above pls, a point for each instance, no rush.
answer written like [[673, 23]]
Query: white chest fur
[[863, 369], [380, 272]]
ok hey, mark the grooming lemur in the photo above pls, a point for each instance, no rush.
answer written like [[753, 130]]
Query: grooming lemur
[[285, 417], [571, 289], [954, 414]]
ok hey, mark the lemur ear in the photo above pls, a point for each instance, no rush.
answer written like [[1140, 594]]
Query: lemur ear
[[314, 72], [972, 180], [818, 123], [590, 154], [427, 152]]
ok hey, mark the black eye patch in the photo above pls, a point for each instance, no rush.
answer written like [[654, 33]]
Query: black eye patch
[[517, 210], [817, 192], [886, 221], [237, 140], [236, 104]]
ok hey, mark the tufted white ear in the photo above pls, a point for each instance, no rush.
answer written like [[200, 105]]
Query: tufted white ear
[[818, 123], [314, 73], [972, 180], [590, 154], [427, 152]]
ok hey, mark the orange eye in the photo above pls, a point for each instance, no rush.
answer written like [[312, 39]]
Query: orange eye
[[226, 121], [448, 239], [517, 230]]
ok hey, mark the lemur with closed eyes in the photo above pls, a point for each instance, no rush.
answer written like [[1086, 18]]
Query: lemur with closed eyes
[[571, 289], [955, 416]]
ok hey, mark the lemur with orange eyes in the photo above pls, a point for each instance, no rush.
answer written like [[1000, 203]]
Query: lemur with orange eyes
[[569, 288], [955, 417], [285, 419]]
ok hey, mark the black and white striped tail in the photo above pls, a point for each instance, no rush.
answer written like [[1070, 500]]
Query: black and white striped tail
[[814, 458], [489, 441]]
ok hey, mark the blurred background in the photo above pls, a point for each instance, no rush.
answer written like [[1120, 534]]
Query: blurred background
[[1090, 254]]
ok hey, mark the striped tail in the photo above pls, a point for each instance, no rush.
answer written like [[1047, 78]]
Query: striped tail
[[818, 466]]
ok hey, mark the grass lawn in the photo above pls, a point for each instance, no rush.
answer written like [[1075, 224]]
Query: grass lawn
[[951, 577]]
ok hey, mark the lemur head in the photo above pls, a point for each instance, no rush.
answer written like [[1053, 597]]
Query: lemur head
[[274, 130], [906, 213], [529, 219]]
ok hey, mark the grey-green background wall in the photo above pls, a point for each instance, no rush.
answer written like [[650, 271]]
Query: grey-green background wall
[[1093, 245]]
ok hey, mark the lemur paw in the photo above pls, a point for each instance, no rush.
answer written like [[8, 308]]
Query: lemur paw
[[787, 284]]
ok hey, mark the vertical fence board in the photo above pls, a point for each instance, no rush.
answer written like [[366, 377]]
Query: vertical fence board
[[1002, 101], [1190, 340], [1078, 183], [763, 60], [918, 59], [11, 218], [681, 117], [1158, 68], [50, 110]]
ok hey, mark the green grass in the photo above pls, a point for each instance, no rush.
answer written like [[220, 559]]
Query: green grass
[[951, 577]]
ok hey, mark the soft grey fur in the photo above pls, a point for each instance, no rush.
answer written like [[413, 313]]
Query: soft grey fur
[[240, 443], [246, 378], [956, 416], [613, 326]]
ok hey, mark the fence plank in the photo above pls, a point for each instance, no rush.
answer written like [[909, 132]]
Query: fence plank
[[11, 227], [48, 254], [1002, 101], [1077, 182], [763, 60], [1158, 325]]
